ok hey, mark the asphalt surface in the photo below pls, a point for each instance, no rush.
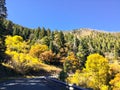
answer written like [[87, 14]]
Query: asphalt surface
[[31, 84]]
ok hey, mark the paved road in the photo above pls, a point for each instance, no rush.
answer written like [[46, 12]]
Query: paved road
[[31, 84]]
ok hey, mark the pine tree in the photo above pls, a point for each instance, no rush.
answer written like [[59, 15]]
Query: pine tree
[[43, 33], [15, 31], [3, 14], [60, 39], [115, 52], [3, 9], [75, 45], [51, 42], [48, 32], [37, 33], [51, 46]]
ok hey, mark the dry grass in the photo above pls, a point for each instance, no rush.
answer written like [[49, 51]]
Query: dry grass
[[42, 70], [50, 68]]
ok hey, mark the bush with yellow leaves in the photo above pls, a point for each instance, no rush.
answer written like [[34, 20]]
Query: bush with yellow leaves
[[115, 83], [16, 43], [97, 68], [104, 87], [37, 49], [71, 63], [94, 75], [22, 63], [77, 78]]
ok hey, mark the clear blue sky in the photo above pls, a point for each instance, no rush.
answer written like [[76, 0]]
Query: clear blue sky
[[66, 14]]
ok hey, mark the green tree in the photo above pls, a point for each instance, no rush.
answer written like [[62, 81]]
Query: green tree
[[51, 46], [37, 33], [43, 33], [45, 41], [63, 75], [3, 9], [60, 39], [75, 45], [15, 30], [48, 32], [116, 53]]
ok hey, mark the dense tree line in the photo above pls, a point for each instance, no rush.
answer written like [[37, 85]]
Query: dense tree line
[[100, 42]]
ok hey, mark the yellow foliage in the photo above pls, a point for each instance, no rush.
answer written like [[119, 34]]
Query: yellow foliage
[[95, 75], [50, 68], [23, 62], [75, 78], [97, 64], [104, 87], [47, 56], [97, 69], [114, 68], [7, 65], [71, 56], [16, 39], [16, 43], [71, 63], [78, 78], [37, 49], [116, 82]]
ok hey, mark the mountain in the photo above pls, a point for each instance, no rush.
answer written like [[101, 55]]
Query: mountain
[[87, 32]]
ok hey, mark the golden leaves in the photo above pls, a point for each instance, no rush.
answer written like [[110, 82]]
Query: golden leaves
[[116, 82], [37, 49], [16, 43], [94, 75]]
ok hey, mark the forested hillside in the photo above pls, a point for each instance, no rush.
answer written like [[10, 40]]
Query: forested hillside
[[85, 57], [86, 53]]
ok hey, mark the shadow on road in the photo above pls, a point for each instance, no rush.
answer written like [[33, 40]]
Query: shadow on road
[[30, 84]]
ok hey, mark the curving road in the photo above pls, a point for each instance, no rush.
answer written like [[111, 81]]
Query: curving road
[[31, 84]]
